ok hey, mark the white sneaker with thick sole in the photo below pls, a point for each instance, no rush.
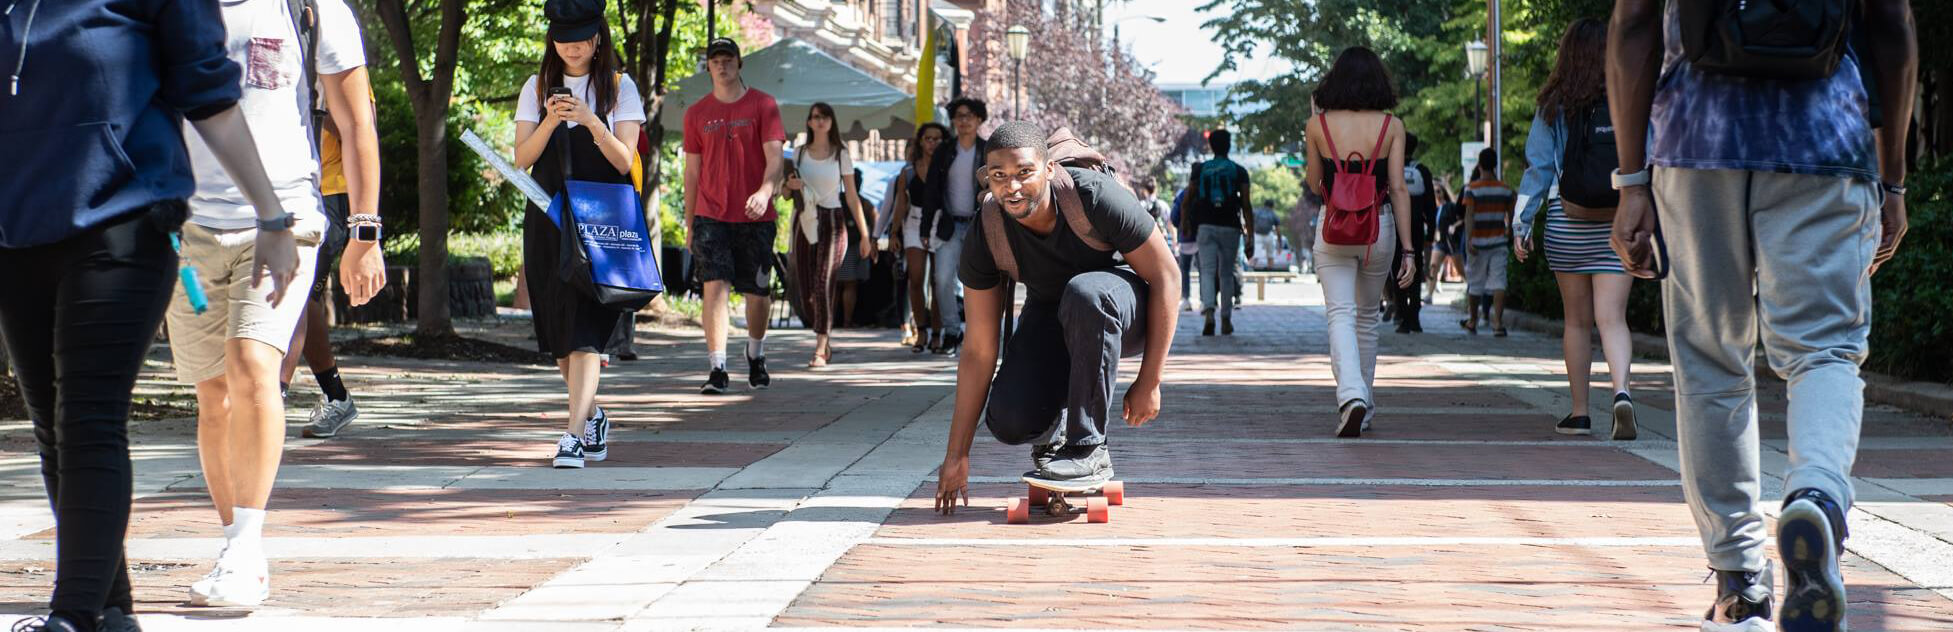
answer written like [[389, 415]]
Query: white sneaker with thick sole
[[233, 584]]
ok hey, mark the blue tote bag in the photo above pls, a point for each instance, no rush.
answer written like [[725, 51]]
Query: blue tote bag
[[606, 249]]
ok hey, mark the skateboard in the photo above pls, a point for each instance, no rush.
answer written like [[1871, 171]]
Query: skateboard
[[1058, 498]]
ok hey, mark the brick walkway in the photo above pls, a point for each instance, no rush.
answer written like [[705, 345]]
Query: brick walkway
[[807, 506]]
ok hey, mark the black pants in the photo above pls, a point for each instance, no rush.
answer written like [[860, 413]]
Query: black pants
[[1062, 363], [78, 316], [1407, 302]]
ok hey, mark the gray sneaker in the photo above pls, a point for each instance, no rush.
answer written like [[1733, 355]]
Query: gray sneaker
[[330, 417], [1079, 463]]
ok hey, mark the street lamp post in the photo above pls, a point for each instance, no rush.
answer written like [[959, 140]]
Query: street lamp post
[[1475, 61], [1018, 40]]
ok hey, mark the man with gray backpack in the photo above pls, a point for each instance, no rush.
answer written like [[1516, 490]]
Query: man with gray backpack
[[1777, 201], [1101, 285]]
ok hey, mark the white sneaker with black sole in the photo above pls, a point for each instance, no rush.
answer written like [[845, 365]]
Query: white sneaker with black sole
[[596, 436], [569, 452]]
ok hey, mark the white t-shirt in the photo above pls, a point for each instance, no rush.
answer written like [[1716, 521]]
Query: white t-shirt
[[630, 107], [264, 42], [821, 177], [959, 196]]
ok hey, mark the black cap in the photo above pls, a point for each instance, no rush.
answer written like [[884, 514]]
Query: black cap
[[721, 45], [574, 20]]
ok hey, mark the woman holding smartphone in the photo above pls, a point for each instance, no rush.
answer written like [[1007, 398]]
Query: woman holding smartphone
[[822, 179], [577, 112]]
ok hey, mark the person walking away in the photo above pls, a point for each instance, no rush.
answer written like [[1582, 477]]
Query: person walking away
[[234, 350], [1186, 247], [1267, 248], [1353, 253], [949, 205], [733, 163], [1099, 283], [820, 228], [1778, 200], [912, 184], [1570, 154], [1424, 210], [1488, 212], [100, 242], [1161, 211], [351, 245], [1221, 200], [572, 117]]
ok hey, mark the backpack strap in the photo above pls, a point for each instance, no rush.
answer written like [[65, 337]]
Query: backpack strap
[[305, 24], [995, 238], [1369, 168], [1322, 121], [1064, 190]]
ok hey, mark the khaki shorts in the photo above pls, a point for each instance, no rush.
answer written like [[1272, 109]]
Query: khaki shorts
[[223, 259]]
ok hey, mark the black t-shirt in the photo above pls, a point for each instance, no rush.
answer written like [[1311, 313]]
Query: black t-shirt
[[1228, 189], [1049, 262]]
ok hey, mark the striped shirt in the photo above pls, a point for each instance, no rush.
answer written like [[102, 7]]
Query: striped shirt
[[1489, 204]]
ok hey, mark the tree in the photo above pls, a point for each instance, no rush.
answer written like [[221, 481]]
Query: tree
[[1069, 82], [430, 94]]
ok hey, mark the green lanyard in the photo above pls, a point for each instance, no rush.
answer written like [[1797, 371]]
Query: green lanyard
[[192, 289]]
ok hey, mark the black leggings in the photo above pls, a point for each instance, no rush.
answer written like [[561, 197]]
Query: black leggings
[[80, 314]]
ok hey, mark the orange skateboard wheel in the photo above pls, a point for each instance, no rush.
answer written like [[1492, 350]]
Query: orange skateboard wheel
[[1018, 512], [1039, 496], [1098, 510], [1115, 492]]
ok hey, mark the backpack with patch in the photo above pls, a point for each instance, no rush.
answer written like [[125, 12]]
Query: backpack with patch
[[1587, 166], [1769, 39], [1066, 150], [1350, 213], [1218, 186]]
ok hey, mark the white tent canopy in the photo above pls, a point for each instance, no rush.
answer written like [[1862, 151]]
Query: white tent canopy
[[798, 75]]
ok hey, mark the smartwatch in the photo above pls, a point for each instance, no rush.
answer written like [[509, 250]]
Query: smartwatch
[[283, 222], [1637, 179], [365, 228]]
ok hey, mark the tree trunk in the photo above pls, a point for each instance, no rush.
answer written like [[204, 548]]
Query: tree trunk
[[431, 281], [1942, 135]]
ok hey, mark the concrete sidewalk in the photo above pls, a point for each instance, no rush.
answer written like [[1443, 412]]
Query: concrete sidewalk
[[807, 506]]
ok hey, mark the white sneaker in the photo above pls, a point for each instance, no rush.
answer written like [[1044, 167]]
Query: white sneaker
[[329, 417], [233, 583], [1186, 305]]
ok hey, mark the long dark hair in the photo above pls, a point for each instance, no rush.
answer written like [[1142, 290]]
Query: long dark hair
[[1357, 81], [603, 73], [1579, 77], [915, 146], [833, 129]]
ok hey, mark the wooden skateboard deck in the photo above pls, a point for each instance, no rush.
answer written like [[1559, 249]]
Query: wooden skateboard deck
[[1058, 498]]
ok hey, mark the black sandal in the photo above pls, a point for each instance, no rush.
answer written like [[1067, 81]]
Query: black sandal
[[1469, 327], [921, 341]]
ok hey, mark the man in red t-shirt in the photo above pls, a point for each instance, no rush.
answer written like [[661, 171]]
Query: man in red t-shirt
[[733, 167]]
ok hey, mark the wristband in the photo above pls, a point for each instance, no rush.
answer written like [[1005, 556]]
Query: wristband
[[1893, 189], [277, 224]]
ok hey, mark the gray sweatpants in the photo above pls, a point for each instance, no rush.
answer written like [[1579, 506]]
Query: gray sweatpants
[[1791, 253], [1220, 268], [1062, 363]]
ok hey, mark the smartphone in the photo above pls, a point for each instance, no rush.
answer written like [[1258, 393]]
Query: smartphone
[[559, 91]]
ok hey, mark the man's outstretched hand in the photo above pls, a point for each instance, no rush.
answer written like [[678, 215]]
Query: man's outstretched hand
[[952, 483]]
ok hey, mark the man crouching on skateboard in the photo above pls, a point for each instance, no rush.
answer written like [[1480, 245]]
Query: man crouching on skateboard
[[1061, 228]]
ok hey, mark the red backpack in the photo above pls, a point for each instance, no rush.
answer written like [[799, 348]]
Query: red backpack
[[1350, 213]]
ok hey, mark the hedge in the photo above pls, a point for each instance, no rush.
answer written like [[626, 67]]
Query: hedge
[[1912, 302]]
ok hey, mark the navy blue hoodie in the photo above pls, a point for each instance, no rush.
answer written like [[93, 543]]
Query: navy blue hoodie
[[92, 108]]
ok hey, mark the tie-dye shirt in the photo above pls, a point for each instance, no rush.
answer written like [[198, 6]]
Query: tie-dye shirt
[[1703, 120]]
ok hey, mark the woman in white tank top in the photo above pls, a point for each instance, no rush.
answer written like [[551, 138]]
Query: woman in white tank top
[[819, 223]]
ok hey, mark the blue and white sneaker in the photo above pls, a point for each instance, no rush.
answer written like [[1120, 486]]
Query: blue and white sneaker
[[1810, 539], [596, 436], [569, 452]]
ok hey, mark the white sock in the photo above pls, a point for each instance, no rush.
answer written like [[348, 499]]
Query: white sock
[[249, 526], [718, 359], [756, 347]]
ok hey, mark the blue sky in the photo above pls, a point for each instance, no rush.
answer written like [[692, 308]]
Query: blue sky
[[1179, 51]]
